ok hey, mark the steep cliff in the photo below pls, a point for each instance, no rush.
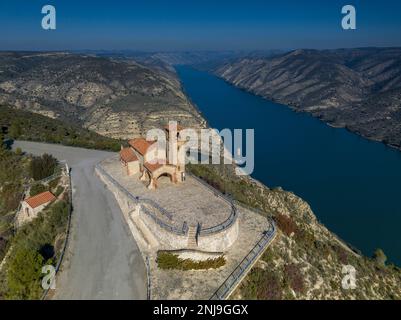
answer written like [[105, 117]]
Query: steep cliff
[[355, 88], [118, 99], [306, 260]]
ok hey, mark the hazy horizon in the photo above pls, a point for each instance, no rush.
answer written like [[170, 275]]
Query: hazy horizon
[[190, 50], [197, 26]]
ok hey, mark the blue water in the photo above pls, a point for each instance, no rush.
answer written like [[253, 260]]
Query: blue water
[[353, 185]]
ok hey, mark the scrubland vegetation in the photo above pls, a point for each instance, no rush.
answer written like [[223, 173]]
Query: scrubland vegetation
[[37, 243], [167, 260], [23, 125], [306, 260]]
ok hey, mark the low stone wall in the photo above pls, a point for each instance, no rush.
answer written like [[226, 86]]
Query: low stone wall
[[218, 241], [165, 238]]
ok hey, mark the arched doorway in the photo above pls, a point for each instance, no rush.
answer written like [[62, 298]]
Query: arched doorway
[[165, 178]]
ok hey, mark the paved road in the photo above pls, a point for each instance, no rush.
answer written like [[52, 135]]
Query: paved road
[[103, 261]]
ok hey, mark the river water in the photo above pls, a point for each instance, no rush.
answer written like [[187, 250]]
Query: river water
[[353, 185]]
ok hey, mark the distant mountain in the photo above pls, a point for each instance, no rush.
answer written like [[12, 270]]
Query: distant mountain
[[355, 88], [179, 57], [165, 60], [115, 98]]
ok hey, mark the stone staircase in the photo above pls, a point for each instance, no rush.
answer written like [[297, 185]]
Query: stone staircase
[[192, 237]]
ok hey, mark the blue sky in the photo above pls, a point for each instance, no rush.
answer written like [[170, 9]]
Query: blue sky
[[198, 25]]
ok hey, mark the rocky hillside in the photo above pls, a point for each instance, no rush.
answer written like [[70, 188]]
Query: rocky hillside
[[113, 98], [355, 88], [306, 260]]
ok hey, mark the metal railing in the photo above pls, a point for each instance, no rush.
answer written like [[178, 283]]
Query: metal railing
[[155, 205], [148, 291], [171, 228], [180, 231], [225, 224], [224, 291], [216, 192], [137, 200], [68, 228], [222, 226]]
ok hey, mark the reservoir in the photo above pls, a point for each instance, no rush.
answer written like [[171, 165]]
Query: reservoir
[[353, 185]]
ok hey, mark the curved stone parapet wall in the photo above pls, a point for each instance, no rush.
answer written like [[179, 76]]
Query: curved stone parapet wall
[[218, 241], [162, 235], [215, 242]]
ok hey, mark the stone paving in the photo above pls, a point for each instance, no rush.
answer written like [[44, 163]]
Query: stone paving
[[196, 284], [201, 284], [189, 201]]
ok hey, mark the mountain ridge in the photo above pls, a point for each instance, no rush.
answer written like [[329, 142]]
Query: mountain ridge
[[343, 87], [119, 99]]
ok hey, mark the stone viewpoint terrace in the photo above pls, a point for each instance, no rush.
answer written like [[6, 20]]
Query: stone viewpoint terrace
[[188, 202]]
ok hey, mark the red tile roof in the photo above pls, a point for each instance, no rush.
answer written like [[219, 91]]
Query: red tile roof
[[152, 166], [40, 199], [141, 145], [128, 155]]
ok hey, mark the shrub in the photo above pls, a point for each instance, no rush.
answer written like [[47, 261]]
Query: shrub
[[269, 288], [342, 254], [380, 257], [24, 274], [167, 261], [3, 248], [44, 229], [54, 183], [15, 130], [18, 151], [42, 167], [304, 237], [25, 125], [10, 196], [36, 189], [2, 146], [293, 275], [59, 191], [286, 224]]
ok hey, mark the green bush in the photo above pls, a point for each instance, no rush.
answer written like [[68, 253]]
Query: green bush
[[167, 261], [262, 285], [10, 197], [24, 274], [24, 125], [294, 277], [15, 130], [3, 247], [18, 151], [59, 191], [54, 183], [13, 172], [42, 167], [33, 246], [37, 188], [223, 178], [380, 257]]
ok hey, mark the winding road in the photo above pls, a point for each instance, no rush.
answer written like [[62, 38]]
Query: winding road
[[102, 260]]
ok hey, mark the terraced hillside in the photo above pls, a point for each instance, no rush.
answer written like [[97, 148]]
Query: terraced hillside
[[113, 98], [355, 88]]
